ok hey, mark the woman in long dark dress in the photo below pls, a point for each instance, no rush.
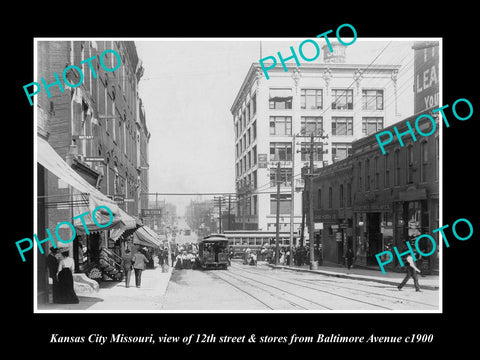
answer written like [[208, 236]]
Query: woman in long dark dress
[[65, 292]]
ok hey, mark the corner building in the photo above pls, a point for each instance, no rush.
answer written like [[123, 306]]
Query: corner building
[[344, 101]]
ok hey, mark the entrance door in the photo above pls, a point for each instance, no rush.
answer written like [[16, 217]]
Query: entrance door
[[340, 258], [374, 237]]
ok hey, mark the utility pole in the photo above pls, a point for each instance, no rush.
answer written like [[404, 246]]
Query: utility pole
[[309, 198], [219, 198], [277, 235], [220, 214], [292, 202], [229, 204], [310, 205]]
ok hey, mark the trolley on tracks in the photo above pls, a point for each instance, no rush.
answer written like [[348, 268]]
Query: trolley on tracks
[[213, 252]]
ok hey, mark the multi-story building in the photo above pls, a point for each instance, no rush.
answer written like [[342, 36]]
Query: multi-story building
[[372, 201], [343, 101], [93, 119]]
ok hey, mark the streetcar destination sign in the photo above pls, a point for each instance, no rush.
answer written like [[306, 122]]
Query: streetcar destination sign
[[151, 212]]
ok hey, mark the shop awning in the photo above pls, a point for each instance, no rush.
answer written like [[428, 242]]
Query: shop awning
[[49, 158], [145, 236], [123, 230]]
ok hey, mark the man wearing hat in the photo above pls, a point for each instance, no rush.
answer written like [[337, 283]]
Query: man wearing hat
[[52, 265]]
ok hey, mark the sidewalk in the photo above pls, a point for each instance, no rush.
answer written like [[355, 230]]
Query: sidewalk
[[430, 282], [114, 296]]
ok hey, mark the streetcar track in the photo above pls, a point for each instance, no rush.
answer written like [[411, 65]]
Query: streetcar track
[[283, 290], [345, 287], [311, 288], [371, 292], [319, 290], [246, 292], [263, 289]]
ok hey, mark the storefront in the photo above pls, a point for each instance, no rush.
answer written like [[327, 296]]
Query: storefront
[[417, 214], [373, 232], [91, 236]]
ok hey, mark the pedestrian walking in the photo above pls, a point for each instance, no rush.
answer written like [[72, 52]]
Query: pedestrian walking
[[127, 263], [349, 257], [411, 270], [52, 266], [140, 262], [65, 291]]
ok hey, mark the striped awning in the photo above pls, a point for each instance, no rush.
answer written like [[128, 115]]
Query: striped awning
[[145, 236], [51, 160]]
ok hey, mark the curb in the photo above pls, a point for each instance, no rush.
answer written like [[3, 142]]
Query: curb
[[352, 276]]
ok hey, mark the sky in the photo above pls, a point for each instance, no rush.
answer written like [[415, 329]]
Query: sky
[[189, 86]]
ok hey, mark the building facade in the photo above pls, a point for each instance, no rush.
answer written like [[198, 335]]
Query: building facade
[[342, 101], [98, 127]]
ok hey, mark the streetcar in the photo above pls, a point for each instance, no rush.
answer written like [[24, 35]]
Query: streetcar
[[213, 252]]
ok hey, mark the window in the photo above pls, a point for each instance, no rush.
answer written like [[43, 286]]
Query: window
[[280, 151], [341, 196], [311, 125], [253, 104], [371, 125], [340, 151], [377, 174], [387, 171], [249, 139], [396, 169], [280, 99], [437, 157], [285, 176], [372, 99], [424, 161], [281, 125], [330, 197], [342, 125], [342, 99], [359, 178], [311, 99], [367, 174], [349, 194], [319, 198], [285, 203], [254, 130], [255, 155], [409, 164]]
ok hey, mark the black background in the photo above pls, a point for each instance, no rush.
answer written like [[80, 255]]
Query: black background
[[455, 327]]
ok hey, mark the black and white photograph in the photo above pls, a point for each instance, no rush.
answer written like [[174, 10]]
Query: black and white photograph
[[244, 186], [283, 188]]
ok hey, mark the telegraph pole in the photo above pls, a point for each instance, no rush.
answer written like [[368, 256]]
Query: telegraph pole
[[229, 204], [310, 205], [309, 196], [277, 234], [292, 202]]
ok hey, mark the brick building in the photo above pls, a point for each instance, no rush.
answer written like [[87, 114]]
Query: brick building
[[373, 202], [95, 122]]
